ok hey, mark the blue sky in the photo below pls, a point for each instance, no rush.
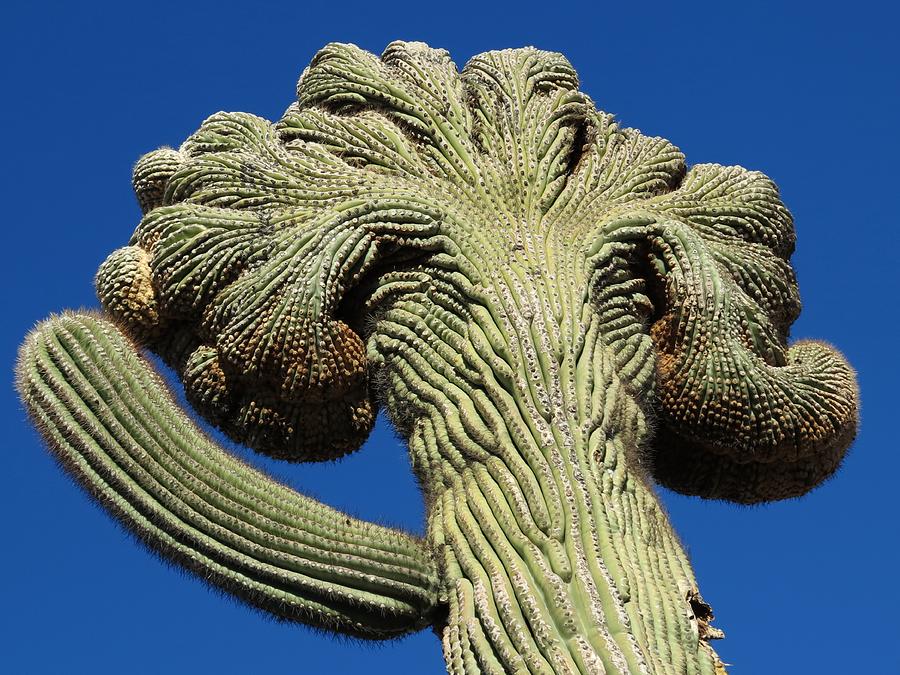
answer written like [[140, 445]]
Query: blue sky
[[807, 93]]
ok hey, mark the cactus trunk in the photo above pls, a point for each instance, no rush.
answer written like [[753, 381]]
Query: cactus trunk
[[556, 553], [610, 593]]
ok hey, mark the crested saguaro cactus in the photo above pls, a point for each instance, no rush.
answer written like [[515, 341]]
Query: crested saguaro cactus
[[553, 309]]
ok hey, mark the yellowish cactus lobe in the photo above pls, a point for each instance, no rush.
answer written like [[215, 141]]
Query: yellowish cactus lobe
[[151, 176], [126, 291]]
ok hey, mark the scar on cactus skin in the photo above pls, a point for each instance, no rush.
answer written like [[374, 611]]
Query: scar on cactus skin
[[524, 285]]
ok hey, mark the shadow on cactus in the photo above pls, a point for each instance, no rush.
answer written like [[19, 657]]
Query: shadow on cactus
[[553, 309]]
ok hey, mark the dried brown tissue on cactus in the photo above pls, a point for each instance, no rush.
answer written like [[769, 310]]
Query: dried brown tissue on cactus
[[523, 284]]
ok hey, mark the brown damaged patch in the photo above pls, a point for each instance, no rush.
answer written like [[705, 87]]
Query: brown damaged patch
[[703, 615]]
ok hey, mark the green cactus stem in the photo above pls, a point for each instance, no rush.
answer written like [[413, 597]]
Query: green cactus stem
[[554, 310], [113, 425]]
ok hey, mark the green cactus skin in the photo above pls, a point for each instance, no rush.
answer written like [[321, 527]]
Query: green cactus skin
[[554, 310]]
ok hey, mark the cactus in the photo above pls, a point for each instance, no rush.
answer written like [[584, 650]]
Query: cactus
[[553, 309]]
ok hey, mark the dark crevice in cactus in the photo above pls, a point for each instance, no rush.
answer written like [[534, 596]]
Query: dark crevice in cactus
[[393, 258], [581, 143]]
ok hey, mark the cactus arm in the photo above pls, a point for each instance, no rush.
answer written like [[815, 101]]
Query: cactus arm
[[113, 425], [744, 416]]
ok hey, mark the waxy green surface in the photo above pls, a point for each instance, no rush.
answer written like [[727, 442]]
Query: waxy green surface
[[554, 310]]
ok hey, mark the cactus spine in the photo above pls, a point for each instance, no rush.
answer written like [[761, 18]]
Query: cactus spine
[[553, 309]]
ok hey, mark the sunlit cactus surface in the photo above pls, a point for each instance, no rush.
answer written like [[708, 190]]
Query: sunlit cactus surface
[[554, 310]]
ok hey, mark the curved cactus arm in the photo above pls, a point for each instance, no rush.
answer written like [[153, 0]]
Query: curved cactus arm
[[747, 418], [113, 425], [744, 416], [741, 414]]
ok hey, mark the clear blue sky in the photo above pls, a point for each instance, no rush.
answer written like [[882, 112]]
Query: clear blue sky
[[807, 94]]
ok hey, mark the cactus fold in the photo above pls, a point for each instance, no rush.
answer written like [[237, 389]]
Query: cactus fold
[[554, 310]]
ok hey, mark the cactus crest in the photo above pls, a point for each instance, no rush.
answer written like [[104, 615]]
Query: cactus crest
[[552, 308]]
